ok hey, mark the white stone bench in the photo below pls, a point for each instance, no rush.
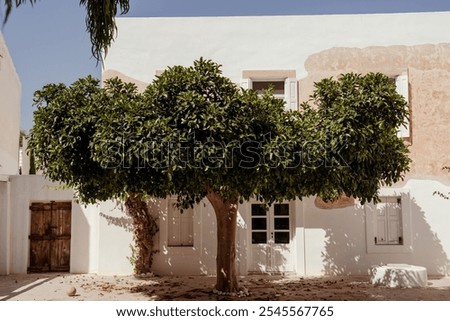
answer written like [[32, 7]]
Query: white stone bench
[[399, 276]]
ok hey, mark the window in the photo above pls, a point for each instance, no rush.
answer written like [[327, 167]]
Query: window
[[388, 223], [283, 82], [270, 225], [276, 86], [259, 224], [281, 224], [388, 230], [401, 82], [180, 226]]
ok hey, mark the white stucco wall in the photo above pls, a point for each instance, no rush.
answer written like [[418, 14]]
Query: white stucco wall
[[84, 252], [24, 190], [147, 45], [198, 259], [114, 239], [335, 240], [99, 242], [5, 233], [325, 241], [10, 93]]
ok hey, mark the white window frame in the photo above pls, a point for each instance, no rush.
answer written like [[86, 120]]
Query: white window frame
[[402, 85], [290, 96], [405, 221]]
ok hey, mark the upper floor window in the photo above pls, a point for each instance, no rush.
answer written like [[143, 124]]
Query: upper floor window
[[277, 86], [283, 83]]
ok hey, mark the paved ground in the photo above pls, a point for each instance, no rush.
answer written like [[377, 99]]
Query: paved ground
[[90, 287]]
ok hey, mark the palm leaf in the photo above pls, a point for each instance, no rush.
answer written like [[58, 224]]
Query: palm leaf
[[100, 20]]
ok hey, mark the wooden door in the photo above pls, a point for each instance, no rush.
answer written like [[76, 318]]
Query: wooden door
[[50, 237]]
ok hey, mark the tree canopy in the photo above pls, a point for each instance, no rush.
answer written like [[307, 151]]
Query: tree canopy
[[193, 128], [194, 134], [100, 20]]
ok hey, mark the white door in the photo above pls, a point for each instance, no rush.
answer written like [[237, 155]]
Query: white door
[[271, 238]]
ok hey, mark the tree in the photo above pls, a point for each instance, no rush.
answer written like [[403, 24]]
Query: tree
[[65, 141], [194, 134], [100, 20]]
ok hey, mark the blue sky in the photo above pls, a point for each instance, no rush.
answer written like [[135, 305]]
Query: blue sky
[[48, 41]]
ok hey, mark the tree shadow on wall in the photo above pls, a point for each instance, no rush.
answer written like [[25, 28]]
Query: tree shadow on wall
[[344, 245], [427, 245], [346, 251], [271, 259], [126, 222]]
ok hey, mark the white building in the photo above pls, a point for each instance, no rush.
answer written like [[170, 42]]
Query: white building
[[306, 237], [10, 92]]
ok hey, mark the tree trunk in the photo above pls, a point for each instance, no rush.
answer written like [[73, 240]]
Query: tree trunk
[[226, 216], [144, 228]]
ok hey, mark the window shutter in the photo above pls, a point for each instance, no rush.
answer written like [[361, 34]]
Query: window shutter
[[246, 83], [388, 221], [174, 225], [381, 224], [180, 226], [401, 82], [290, 94], [187, 228], [394, 218]]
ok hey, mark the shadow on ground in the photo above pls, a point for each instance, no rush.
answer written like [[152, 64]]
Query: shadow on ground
[[11, 286], [90, 287], [277, 288]]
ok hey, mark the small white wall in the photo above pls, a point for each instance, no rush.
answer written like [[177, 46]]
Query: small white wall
[[10, 93], [4, 226]]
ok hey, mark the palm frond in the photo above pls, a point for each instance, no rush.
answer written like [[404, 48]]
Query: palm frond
[[100, 20], [9, 4]]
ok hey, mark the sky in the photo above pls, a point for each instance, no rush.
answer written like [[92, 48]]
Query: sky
[[49, 43]]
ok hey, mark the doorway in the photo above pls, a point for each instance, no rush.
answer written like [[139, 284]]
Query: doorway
[[271, 238], [50, 235]]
